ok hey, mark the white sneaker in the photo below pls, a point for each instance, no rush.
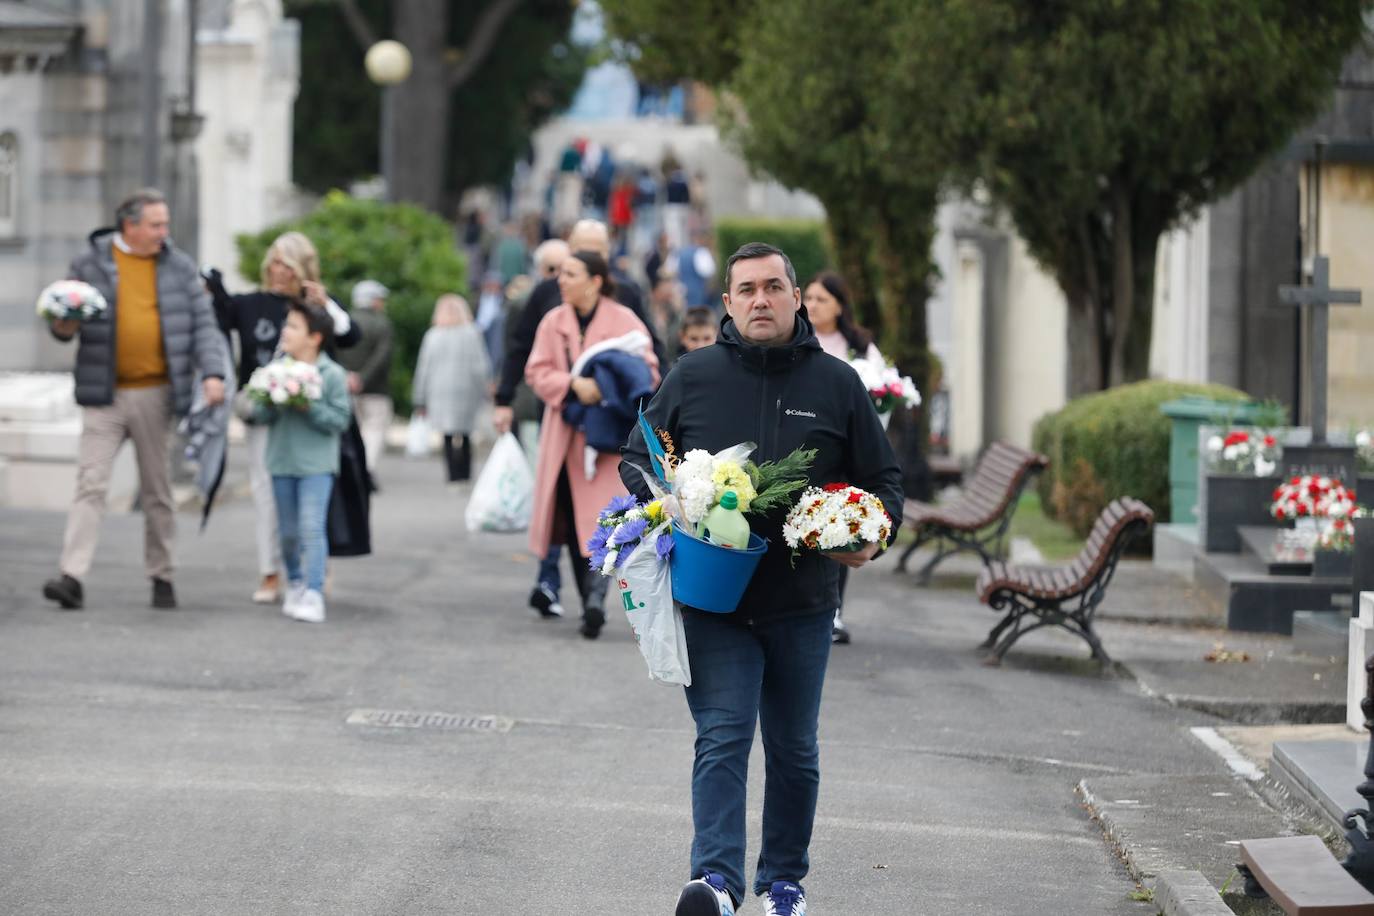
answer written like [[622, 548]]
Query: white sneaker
[[784, 899], [291, 597], [310, 609]]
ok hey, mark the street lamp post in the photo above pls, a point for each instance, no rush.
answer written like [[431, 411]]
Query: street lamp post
[[388, 64]]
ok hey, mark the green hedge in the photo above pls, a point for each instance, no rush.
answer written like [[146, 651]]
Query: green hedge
[[805, 242], [1110, 444], [406, 248]]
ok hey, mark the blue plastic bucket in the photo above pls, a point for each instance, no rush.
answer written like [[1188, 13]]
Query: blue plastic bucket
[[712, 578]]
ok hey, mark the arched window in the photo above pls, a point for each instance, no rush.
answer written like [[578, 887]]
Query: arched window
[[9, 185]]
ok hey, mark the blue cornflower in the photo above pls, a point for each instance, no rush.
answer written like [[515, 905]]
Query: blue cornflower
[[617, 505], [598, 539], [664, 545], [629, 532]]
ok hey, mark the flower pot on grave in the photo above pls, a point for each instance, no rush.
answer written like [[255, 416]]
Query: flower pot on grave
[[1362, 571], [1332, 564], [1188, 415], [1230, 501]]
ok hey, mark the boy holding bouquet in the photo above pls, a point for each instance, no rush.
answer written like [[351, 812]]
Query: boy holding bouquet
[[306, 416]]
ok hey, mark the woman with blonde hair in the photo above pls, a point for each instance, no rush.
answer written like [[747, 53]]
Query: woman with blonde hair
[[451, 380], [290, 273]]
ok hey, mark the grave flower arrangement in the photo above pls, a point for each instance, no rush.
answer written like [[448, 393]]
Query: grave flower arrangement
[[1312, 497], [1364, 450], [285, 382], [1340, 534], [887, 387], [1251, 453], [836, 517], [68, 300]]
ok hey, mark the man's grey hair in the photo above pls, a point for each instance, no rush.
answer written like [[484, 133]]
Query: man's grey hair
[[366, 292], [546, 251], [130, 210], [749, 251]]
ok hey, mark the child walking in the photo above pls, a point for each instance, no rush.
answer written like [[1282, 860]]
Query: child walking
[[303, 458]]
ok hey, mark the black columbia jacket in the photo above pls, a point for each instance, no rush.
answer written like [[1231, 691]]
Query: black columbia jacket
[[781, 398]]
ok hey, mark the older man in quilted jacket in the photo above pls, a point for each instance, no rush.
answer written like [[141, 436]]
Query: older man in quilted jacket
[[135, 366]]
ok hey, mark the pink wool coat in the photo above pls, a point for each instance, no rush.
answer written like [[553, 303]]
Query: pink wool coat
[[557, 344]]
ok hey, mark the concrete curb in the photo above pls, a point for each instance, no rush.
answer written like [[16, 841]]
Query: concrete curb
[[1188, 893]]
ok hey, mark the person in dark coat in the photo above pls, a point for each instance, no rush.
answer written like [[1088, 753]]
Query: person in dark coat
[[766, 381]]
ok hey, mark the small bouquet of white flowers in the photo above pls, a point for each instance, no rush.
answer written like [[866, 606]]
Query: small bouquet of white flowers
[[70, 300], [285, 382], [836, 517]]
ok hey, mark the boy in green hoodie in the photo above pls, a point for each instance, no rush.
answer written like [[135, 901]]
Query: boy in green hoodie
[[303, 458]]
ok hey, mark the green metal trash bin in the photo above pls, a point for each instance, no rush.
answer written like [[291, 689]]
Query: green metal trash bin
[[1189, 414]]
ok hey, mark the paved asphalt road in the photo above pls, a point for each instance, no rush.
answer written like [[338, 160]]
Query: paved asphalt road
[[203, 761]]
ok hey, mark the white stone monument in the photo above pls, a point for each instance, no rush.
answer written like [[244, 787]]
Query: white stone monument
[[1361, 647]]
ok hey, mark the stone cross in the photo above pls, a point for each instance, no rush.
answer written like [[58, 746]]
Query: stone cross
[[1319, 297]]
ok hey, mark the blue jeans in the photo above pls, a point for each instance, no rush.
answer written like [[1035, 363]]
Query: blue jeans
[[771, 672], [302, 505], [548, 569]]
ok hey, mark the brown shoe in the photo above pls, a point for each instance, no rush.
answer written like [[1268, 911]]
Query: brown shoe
[[269, 590]]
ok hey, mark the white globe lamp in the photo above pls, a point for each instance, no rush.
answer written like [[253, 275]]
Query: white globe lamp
[[387, 63]]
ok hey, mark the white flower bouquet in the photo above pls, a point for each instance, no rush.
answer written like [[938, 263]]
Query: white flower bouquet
[[285, 382], [888, 388], [70, 300], [836, 517]]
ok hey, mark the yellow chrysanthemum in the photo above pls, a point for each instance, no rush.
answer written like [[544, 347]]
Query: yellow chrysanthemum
[[730, 476], [655, 512]]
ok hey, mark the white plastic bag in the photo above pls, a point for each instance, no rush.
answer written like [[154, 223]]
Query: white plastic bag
[[417, 437], [503, 496], [645, 586]]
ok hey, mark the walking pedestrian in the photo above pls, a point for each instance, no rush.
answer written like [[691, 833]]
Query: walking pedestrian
[[303, 458], [767, 380], [368, 365], [290, 272], [566, 498], [451, 380], [827, 305], [134, 371]]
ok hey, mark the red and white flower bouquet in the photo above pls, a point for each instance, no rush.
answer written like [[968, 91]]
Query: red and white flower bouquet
[[1249, 452], [1312, 497], [836, 517]]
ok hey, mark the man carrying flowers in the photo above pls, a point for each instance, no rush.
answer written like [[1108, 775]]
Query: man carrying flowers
[[766, 381]]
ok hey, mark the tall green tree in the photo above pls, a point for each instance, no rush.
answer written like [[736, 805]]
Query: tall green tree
[[1099, 124], [485, 76]]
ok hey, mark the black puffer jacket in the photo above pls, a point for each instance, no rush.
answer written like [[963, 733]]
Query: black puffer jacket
[[781, 398], [191, 337]]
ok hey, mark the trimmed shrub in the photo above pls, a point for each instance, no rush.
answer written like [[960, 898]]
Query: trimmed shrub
[[803, 240], [406, 248], [1110, 444]]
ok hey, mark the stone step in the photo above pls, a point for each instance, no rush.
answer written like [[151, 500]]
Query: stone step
[[1322, 775], [1256, 601], [1321, 633]]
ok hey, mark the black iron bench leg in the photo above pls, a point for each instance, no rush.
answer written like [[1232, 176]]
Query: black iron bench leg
[[906, 555]]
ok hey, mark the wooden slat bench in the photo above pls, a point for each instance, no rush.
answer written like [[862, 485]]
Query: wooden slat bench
[[1062, 596], [978, 519], [1301, 876]]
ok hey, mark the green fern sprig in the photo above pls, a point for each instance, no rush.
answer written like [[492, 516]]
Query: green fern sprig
[[776, 482]]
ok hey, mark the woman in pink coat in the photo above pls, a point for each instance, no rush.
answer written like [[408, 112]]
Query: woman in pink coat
[[566, 502]]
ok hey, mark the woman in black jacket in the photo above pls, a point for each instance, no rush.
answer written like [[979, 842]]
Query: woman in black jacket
[[290, 272]]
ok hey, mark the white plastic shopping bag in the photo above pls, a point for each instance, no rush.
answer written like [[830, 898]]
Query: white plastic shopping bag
[[645, 585], [503, 496], [417, 437]]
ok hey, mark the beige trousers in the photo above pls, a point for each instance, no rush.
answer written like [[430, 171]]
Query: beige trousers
[[264, 503], [143, 415], [374, 413]]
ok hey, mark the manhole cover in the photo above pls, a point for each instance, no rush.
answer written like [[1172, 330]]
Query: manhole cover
[[445, 721]]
